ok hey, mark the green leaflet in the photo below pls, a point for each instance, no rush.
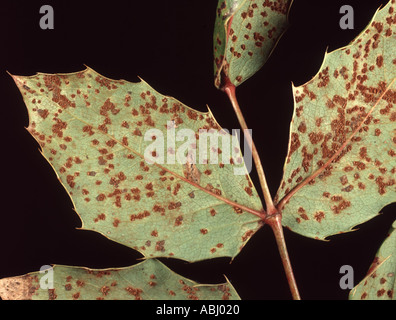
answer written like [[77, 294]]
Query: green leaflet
[[97, 134], [246, 31], [340, 167], [379, 284], [148, 280]]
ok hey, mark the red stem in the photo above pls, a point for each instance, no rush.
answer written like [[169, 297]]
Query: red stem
[[272, 217], [275, 222]]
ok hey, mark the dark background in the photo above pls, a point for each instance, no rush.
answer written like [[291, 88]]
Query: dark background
[[169, 45]]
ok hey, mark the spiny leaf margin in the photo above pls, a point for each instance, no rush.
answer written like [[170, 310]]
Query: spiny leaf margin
[[324, 180], [215, 229]]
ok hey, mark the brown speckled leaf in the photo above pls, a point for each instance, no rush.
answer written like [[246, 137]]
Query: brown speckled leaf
[[148, 280], [246, 32], [341, 164], [380, 281], [97, 133]]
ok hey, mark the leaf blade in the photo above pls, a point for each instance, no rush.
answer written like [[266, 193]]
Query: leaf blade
[[341, 137], [379, 283], [246, 32], [93, 131], [148, 280]]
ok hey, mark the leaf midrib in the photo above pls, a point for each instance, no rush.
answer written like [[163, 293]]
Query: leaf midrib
[[307, 180], [259, 214]]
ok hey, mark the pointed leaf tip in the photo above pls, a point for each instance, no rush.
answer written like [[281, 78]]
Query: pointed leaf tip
[[100, 137], [342, 139]]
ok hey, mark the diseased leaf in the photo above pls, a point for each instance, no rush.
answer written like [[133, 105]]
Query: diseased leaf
[[246, 31], [105, 140], [340, 168], [148, 280], [379, 284]]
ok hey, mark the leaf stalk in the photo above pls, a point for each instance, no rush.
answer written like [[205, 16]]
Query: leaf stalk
[[229, 89], [275, 222], [272, 217]]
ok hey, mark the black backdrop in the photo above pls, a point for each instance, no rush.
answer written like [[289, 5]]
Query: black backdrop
[[169, 45]]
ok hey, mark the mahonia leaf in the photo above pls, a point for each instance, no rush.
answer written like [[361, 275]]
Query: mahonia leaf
[[380, 284], [105, 140], [246, 32], [148, 280], [340, 168]]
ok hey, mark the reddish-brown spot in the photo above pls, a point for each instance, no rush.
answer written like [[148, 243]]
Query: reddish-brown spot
[[380, 292], [341, 206], [247, 235], [319, 216], [173, 205], [380, 61], [380, 181], [159, 246], [137, 132], [100, 197], [237, 210], [294, 145], [249, 191], [134, 291], [176, 189], [348, 188], [154, 233], [302, 127], [88, 129], [43, 113], [58, 127], [140, 216], [68, 287], [116, 222], [178, 221], [70, 181], [105, 290], [315, 138], [359, 165], [80, 283]]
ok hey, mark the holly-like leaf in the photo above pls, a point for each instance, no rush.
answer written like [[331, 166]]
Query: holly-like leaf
[[246, 32], [341, 164], [148, 280], [131, 159], [380, 284]]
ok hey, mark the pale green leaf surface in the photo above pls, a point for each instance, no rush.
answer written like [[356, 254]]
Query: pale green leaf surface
[[340, 167], [148, 280], [245, 33], [380, 284], [95, 132]]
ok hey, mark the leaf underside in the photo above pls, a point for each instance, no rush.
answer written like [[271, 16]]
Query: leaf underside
[[103, 139], [148, 280], [340, 168], [380, 284], [246, 32]]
